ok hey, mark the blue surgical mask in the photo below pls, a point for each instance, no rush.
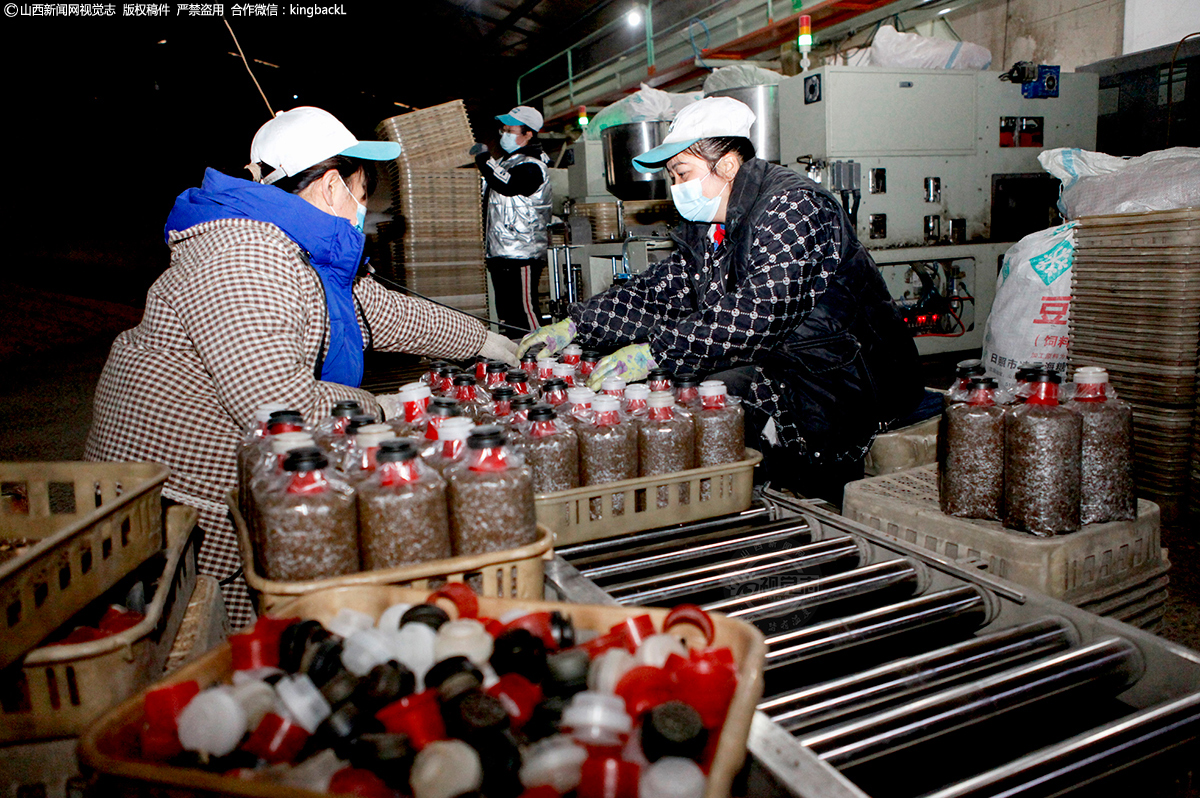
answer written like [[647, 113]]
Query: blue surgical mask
[[508, 142], [361, 213], [691, 203]]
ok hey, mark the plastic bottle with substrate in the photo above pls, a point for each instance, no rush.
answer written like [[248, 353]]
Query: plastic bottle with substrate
[[658, 379], [551, 450], [255, 447], [1042, 471], [402, 511], [1106, 488], [451, 444], [310, 521], [666, 443], [414, 399], [971, 457], [608, 452], [472, 399], [578, 408], [554, 392], [964, 371], [267, 471], [442, 408], [491, 497], [720, 426], [360, 458]]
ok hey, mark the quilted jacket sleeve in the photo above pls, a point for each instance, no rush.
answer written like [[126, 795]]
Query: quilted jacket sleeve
[[631, 313], [396, 322]]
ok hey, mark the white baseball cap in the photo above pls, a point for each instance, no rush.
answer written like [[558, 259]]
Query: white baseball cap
[[297, 139], [704, 119], [523, 115]]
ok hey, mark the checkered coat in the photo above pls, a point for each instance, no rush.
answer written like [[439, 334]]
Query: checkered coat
[[237, 321], [790, 291]]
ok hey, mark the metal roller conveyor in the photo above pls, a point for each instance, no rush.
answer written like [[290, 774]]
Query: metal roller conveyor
[[676, 553], [839, 633], [757, 517], [689, 582], [896, 574], [913, 677], [1113, 662]]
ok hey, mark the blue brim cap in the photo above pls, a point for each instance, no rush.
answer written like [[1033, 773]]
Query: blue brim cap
[[373, 150], [509, 119], [656, 158]]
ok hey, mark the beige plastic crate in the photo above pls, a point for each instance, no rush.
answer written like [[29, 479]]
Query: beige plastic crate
[[93, 523], [110, 747], [1078, 568], [47, 769], [632, 505], [512, 573], [205, 624], [912, 446], [57, 691]]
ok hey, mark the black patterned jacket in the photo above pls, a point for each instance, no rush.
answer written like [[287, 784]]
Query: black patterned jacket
[[790, 291]]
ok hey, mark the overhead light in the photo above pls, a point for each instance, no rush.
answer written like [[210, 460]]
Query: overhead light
[[162, 41], [634, 17], [945, 11], [295, 96]]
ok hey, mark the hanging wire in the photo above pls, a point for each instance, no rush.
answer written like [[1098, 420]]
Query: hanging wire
[[697, 52], [270, 110], [1171, 82]]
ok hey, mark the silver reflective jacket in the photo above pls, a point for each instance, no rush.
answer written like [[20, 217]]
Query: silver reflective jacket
[[516, 226]]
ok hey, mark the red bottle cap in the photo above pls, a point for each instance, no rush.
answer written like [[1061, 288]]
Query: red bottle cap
[[544, 791], [695, 616], [252, 650], [608, 777], [162, 706], [706, 681], [492, 626], [276, 739], [118, 619], [538, 624], [460, 595], [419, 716], [356, 781], [158, 744], [518, 695], [643, 688]]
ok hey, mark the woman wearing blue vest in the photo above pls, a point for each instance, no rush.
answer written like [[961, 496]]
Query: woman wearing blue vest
[[267, 299]]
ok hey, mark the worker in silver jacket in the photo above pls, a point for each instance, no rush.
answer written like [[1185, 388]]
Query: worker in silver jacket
[[517, 197]]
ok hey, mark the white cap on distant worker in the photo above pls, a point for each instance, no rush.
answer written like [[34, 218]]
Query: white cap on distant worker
[[523, 115], [302, 137], [709, 118]]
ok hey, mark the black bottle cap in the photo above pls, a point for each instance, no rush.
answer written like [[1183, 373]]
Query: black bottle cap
[[502, 393], [529, 357], [1028, 371], [286, 417], [519, 651], [500, 759], [306, 458], [686, 381], [590, 356], [387, 682], [542, 413], [554, 385], [545, 718], [343, 723], [975, 383], [673, 729], [497, 367], [295, 639], [516, 375], [448, 369], [443, 670], [486, 437], [359, 421], [1046, 376], [473, 715], [389, 756], [567, 672], [322, 661], [658, 374], [340, 687], [562, 629], [431, 615], [345, 409], [465, 379], [522, 401], [396, 450], [445, 407], [437, 364], [969, 368]]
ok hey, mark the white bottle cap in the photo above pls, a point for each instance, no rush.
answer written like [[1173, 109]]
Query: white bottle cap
[[544, 355], [303, 701], [314, 773], [655, 649], [580, 395], [390, 618], [562, 369], [455, 428], [370, 436], [284, 442], [638, 391], [605, 404], [213, 722], [365, 649], [672, 777], [713, 388], [612, 384], [608, 668], [412, 647], [555, 762], [1091, 375], [445, 769], [414, 391], [572, 349], [348, 621], [661, 399], [262, 414], [465, 637], [256, 699], [597, 718]]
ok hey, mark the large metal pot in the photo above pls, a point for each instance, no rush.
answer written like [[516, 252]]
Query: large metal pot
[[621, 144], [764, 102]]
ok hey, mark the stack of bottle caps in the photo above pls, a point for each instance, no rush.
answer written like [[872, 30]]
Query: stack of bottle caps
[[439, 252], [1135, 310]]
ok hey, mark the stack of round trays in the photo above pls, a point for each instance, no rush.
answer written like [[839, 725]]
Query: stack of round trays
[[1135, 310]]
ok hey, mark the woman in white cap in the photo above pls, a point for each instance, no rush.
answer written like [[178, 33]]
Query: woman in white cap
[[768, 290], [517, 196], [267, 299]]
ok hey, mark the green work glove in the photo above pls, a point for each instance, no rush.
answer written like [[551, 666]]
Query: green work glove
[[554, 336], [630, 363]]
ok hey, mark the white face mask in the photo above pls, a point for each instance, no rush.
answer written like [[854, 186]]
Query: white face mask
[[691, 203], [508, 142], [361, 212]]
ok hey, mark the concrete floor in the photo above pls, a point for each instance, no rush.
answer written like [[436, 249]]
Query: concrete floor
[[53, 349]]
